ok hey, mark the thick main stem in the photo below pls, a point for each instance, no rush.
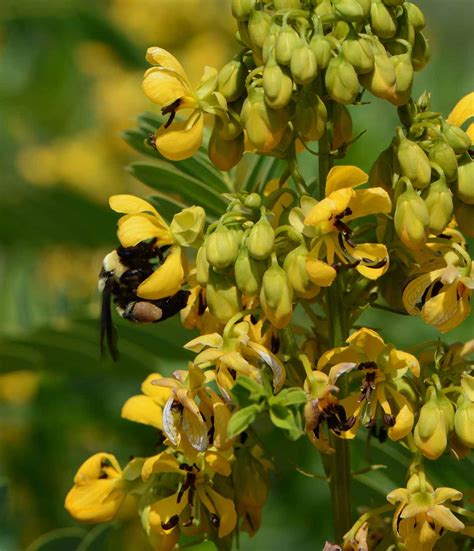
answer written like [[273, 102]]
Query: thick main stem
[[339, 464]]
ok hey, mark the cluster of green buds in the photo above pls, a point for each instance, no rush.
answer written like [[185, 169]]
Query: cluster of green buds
[[430, 174], [297, 54]]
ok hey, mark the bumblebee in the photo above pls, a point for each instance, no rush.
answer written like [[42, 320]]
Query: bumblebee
[[123, 270]]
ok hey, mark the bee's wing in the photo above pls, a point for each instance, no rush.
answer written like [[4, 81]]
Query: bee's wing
[[108, 333]]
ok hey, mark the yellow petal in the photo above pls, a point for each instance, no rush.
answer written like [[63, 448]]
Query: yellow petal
[[374, 259], [462, 312], [130, 204], [96, 466], [368, 341], [402, 361], [196, 430], [167, 508], [159, 394], [334, 204], [166, 280], [319, 272], [369, 201], [463, 110], [135, 228], [225, 510], [444, 494], [444, 517], [182, 139], [160, 463], [345, 177], [222, 416], [415, 289], [98, 501], [218, 463], [403, 420], [214, 340], [165, 88], [142, 409], [441, 308], [159, 56]]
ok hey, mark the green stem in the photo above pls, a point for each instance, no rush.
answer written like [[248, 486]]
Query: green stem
[[339, 463]]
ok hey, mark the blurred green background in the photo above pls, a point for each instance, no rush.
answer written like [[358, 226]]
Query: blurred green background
[[70, 82]]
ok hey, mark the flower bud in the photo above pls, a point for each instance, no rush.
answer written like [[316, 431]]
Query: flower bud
[[421, 51], [259, 27], [253, 201], [352, 10], [381, 172], [249, 273], [222, 297], [286, 41], [465, 183], [321, 49], [202, 266], [342, 126], [277, 85], [242, 34], [415, 16], [187, 225], [225, 154], [411, 219], [464, 214], [414, 163], [231, 80], [359, 54], [295, 268], [276, 296], [403, 79], [325, 9], [439, 202], [303, 63], [310, 117], [464, 421], [287, 4], [269, 45], [456, 138], [381, 81], [264, 126], [241, 9], [382, 20], [341, 81], [442, 154], [222, 247], [261, 239]]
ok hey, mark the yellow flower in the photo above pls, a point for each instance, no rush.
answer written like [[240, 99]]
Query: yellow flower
[[421, 518], [463, 111], [167, 85], [169, 514], [143, 222], [375, 368], [442, 296], [99, 490], [326, 223]]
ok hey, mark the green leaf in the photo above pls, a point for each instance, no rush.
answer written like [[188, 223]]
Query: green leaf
[[64, 539], [247, 391], [166, 178], [242, 419], [289, 397], [286, 419]]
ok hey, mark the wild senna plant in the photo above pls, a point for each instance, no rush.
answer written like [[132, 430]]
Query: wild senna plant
[[272, 275]]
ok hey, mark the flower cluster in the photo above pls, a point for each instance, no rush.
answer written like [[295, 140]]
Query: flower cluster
[[274, 285]]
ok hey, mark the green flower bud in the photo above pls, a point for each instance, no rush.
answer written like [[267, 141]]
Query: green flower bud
[[442, 154], [465, 183], [464, 421], [295, 268], [249, 273], [264, 126], [321, 47], [202, 266], [430, 433], [241, 9], [325, 10], [187, 225], [253, 201], [439, 202], [259, 27], [381, 81], [340, 31], [464, 214], [359, 54], [222, 297], [411, 219], [381, 173], [287, 4], [342, 126], [222, 247], [277, 85], [415, 16], [286, 41], [231, 80], [414, 163], [456, 138], [225, 154], [261, 239], [303, 63], [276, 296], [421, 51], [382, 20], [310, 117], [243, 33], [268, 50], [341, 81], [403, 79], [352, 10]]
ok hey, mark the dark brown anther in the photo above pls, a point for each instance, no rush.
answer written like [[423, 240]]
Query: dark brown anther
[[214, 520], [274, 344], [172, 522], [389, 419], [171, 110], [201, 303], [151, 140], [367, 365], [350, 422]]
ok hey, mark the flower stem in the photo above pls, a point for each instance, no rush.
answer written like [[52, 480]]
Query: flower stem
[[339, 463]]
